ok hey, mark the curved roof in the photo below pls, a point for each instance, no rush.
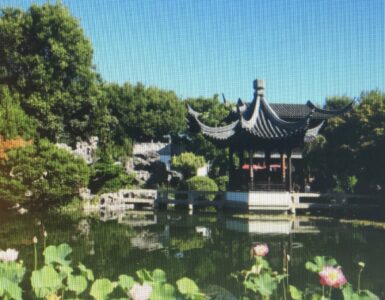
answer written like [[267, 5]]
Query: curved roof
[[263, 122]]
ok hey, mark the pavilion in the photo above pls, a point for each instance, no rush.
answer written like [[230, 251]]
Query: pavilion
[[267, 132]]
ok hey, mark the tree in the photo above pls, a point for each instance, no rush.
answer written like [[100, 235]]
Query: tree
[[41, 175], [13, 120], [213, 113], [9, 144], [188, 163], [145, 113], [45, 57], [348, 156]]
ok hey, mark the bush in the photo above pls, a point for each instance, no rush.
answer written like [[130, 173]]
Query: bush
[[202, 184], [109, 177], [188, 163], [222, 182], [41, 174]]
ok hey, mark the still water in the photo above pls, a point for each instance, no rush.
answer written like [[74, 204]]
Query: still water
[[205, 247]]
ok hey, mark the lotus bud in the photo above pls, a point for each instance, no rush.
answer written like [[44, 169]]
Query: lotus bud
[[45, 233], [361, 264], [34, 240]]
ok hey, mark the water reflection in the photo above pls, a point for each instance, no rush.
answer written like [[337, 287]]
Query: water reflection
[[205, 247], [284, 226]]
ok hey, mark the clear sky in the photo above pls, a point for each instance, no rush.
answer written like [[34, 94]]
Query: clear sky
[[307, 49]]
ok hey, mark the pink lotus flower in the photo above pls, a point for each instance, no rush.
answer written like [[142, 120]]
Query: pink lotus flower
[[332, 276], [140, 292], [8, 255], [260, 250]]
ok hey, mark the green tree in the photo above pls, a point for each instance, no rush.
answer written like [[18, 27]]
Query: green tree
[[348, 156], [213, 113], [188, 163], [13, 120], [45, 57], [145, 113], [41, 175]]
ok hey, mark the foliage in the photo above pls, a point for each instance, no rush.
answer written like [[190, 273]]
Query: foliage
[[11, 275], [108, 176], [188, 163], [144, 113], [6, 145], [260, 279], [14, 121], [213, 113], [319, 262], [45, 57], [41, 174], [202, 184], [222, 182], [348, 157], [59, 276]]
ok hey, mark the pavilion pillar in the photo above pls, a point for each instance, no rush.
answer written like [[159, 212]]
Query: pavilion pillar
[[251, 163], [267, 163], [289, 168], [283, 167]]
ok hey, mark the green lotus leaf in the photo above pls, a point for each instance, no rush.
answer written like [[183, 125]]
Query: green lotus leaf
[[101, 288], [57, 254], [45, 281], [78, 284], [9, 289]]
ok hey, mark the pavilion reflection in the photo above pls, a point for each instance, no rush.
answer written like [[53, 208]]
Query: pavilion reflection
[[275, 225]]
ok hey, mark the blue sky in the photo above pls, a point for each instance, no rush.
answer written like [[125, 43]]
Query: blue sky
[[307, 49]]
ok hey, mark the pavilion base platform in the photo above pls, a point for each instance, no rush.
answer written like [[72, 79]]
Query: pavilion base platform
[[279, 201]]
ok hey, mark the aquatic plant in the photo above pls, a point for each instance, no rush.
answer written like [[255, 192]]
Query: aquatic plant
[[59, 278]]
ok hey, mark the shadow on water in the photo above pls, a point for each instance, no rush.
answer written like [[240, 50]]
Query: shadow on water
[[207, 247]]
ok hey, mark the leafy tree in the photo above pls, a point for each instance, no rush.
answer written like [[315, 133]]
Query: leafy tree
[[6, 145], [348, 156], [334, 103], [13, 120], [41, 174], [45, 57], [145, 113], [213, 113], [188, 163]]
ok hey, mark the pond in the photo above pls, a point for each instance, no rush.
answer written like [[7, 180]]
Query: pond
[[206, 247]]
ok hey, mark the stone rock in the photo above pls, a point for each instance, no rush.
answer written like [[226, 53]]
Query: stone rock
[[85, 150]]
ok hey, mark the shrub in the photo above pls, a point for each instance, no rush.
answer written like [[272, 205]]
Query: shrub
[[188, 163], [222, 182], [202, 184]]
